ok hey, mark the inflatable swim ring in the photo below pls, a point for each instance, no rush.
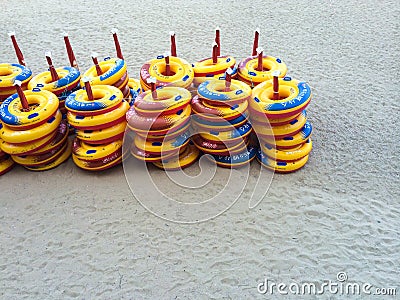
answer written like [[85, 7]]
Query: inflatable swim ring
[[214, 92], [212, 147], [68, 80], [102, 136], [287, 155], [113, 69], [86, 152], [96, 122], [43, 105], [291, 141], [42, 159], [148, 157], [295, 96], [106, 98], [207, 111], [205, 69], [162, 147], [9, 73], [34, 134], [186, 158], [6, 164], [281, 166], [181, 70], [55, 163], [281, 131], [169, 100], [143, 123], [247, 69], [236, 160], [227, 136]]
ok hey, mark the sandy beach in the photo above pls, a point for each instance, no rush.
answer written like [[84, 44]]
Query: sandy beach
[[71, 234]]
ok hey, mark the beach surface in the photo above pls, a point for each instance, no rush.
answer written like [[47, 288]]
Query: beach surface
[[71, 234]]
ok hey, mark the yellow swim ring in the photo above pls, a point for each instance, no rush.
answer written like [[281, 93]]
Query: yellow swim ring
[[102, 136], [106, 98], [281, 131], [287, 154], [43, 105], [247, 69], [169, 100], [281, 166], [84, 151], [294, 98], [55, 163], [187, 157], [113, 70], [160, 147], [43, 159], [206, 69], [9, 73], [96, 122], [24, 136], [228, 112], [6, 164], [68, 79], [181, 70]]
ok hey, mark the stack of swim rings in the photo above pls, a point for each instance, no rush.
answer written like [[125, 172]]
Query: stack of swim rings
[[160, 120], [259, 68], [9, 73], [98, 115], [168, 71], [111, 71], [34, 134], [65, 82], [221, 122], [286, 144]]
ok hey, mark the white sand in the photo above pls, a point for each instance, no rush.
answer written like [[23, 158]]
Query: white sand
[[67, 233]]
